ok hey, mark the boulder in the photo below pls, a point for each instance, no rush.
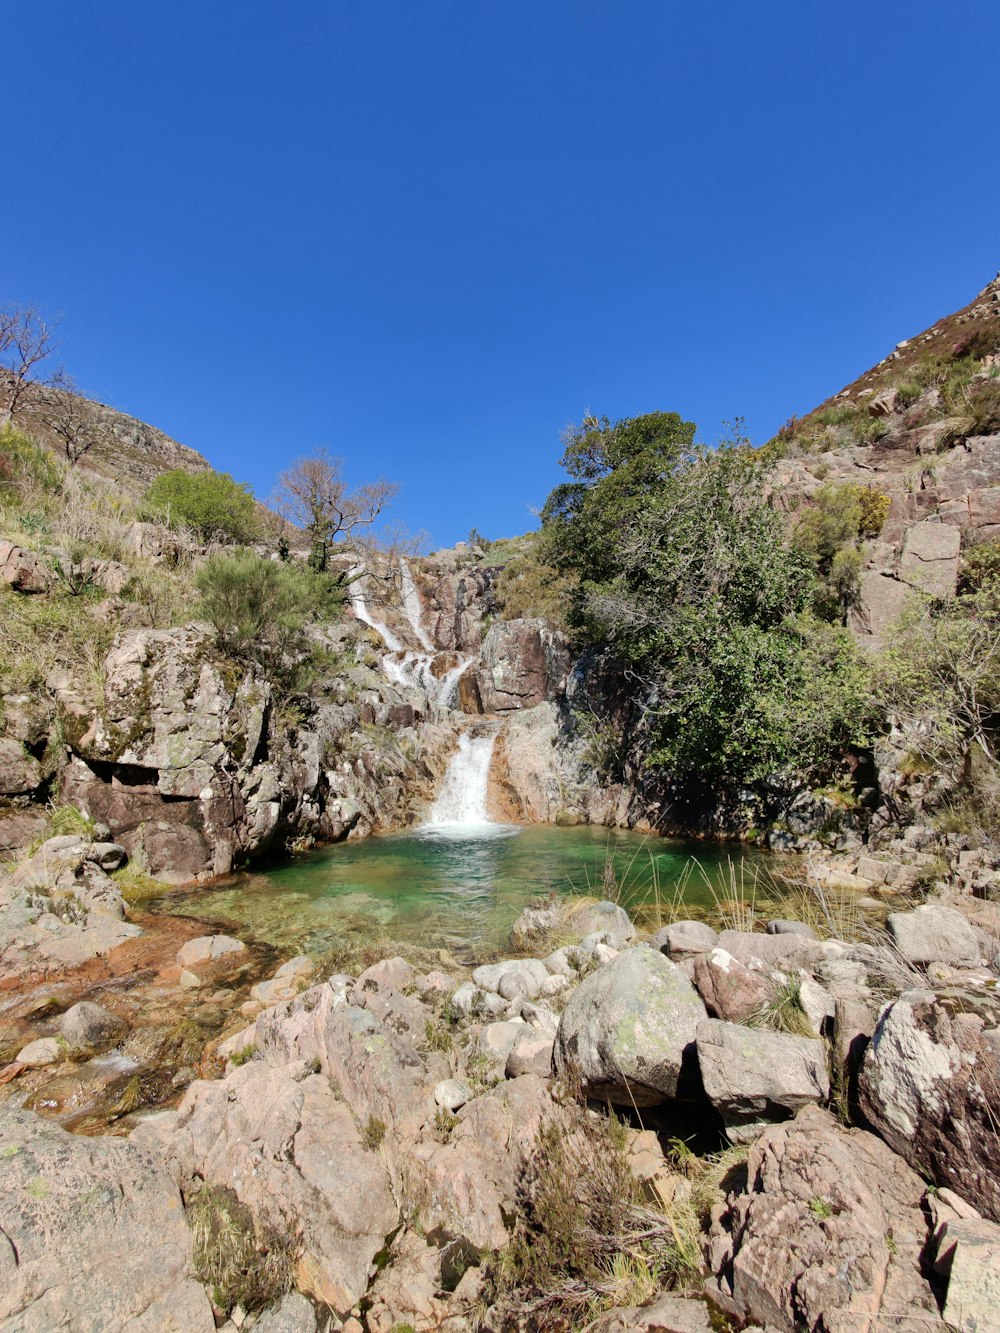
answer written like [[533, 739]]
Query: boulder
[[530, 1054], [683, 938], [92, 1236], [19, 772], [930, 1085], [299, 968], [536, 923], [392, 973], [969, 1254], [827, 1234], [930, 557], [752, 1076], [934, 934], [522, 663], [22, 569], [471, 1001], [88, 1028], [451, 1094], [292, 1314], [780, 926], [787, 952], [730, 990], [625, 1030], [604, 918], [41, 1052], [666, 1314]]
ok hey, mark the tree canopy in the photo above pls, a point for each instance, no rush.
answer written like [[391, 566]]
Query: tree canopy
[[211, 504]]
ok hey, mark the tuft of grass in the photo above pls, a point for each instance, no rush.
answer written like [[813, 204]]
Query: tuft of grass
[[136, 884], [243, 1262], [373, 1134], [243, 1056], [63, 821], [586, 1239], [784, 1013]]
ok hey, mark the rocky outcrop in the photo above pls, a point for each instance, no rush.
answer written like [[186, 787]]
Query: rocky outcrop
[[752, 1076], [460, 596], [930, 1085], [828, 1234], [92, 1236], [522, 663]]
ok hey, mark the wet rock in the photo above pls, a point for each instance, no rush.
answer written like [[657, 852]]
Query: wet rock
[[625, 1029], [854, 1211], [730, 990], [89, 1028], [930, 1085], [209, 949], [683, 938], [934, 934], [752, 1076], [99, 1234]]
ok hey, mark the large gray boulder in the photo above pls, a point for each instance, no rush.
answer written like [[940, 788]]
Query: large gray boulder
[[930, 1085], [93, 1236], [827, 1234], [626, 1029], [752, 1076], [935, 934]]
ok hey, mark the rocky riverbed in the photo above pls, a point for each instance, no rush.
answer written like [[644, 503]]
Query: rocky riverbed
[[803, 1126]]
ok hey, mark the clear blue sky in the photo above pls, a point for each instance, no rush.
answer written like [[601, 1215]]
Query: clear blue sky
[[429, 233]]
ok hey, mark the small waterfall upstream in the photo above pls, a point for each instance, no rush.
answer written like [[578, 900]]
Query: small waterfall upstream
[[409, 668], [461, 802]]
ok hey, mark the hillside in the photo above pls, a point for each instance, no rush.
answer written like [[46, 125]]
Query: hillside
[[923, 428]]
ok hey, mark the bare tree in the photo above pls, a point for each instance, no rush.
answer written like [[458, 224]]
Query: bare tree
[[26, 343], [313, 495], [73, 421]]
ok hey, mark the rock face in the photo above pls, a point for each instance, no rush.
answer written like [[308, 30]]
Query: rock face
[[92, 1236], [930, 1085], [626, 1029], [522, 663], [828, 1234]]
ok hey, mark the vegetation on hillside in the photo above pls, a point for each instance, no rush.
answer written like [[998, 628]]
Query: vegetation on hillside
[[211, 505]]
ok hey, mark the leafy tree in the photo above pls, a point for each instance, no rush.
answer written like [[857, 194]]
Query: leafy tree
[[686, 579], [211, 504]]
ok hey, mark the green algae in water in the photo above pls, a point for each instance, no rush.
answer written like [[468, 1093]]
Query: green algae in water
[[459, 892]]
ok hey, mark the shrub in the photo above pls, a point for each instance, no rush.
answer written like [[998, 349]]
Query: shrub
[[260, 608], [211, 504], [980, 568], [243, 1263], [26, 469]]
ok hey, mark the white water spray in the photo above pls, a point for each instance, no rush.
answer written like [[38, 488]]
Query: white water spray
[[361, 612], [412, 607], [461, 803]]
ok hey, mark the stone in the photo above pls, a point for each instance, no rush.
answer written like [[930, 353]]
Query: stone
[[209, 949], [828, 1233], [496, 1040], [275, 991], [554, 985], [532, 970], [22, 569], [930, 1085], [299, 968], [969, 1253], [89, 1028], [930, 558], [683, 938], [393, 973], [99, 1233], [818, 1005], [292, 1314], [729, 989], [189, 980], [471, 1001], [673, 1313], [19, 772], [451, 1094], [603, 918], [934, 934], [752, 1076], [514, 985], [530, 1054], [435, 983], [625, 1030], [535, 924], [783, 927], [44, 1051], [787, 952]]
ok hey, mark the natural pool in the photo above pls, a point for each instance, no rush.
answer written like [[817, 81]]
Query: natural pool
[[460, 887]]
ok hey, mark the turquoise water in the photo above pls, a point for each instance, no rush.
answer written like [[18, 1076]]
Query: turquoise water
[[459, 891]]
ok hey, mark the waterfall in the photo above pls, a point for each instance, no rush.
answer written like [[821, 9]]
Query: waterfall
[[412, 607], [461, 802], [361, 612]]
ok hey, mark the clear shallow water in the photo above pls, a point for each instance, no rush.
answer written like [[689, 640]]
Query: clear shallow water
[[458, 887]]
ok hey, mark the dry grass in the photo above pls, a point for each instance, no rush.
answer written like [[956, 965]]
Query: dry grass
[[243, 1263]]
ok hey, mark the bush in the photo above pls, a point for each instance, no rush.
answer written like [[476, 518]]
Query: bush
[[260, 608], [26, 469], [211, 504]]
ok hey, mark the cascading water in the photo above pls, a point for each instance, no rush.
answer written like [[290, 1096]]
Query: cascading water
[[409, 668], [461, 803]]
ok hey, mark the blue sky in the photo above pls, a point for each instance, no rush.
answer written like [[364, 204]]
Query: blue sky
[[428, 235]]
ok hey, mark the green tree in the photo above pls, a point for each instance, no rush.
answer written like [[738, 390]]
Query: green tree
[[211, 504]]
